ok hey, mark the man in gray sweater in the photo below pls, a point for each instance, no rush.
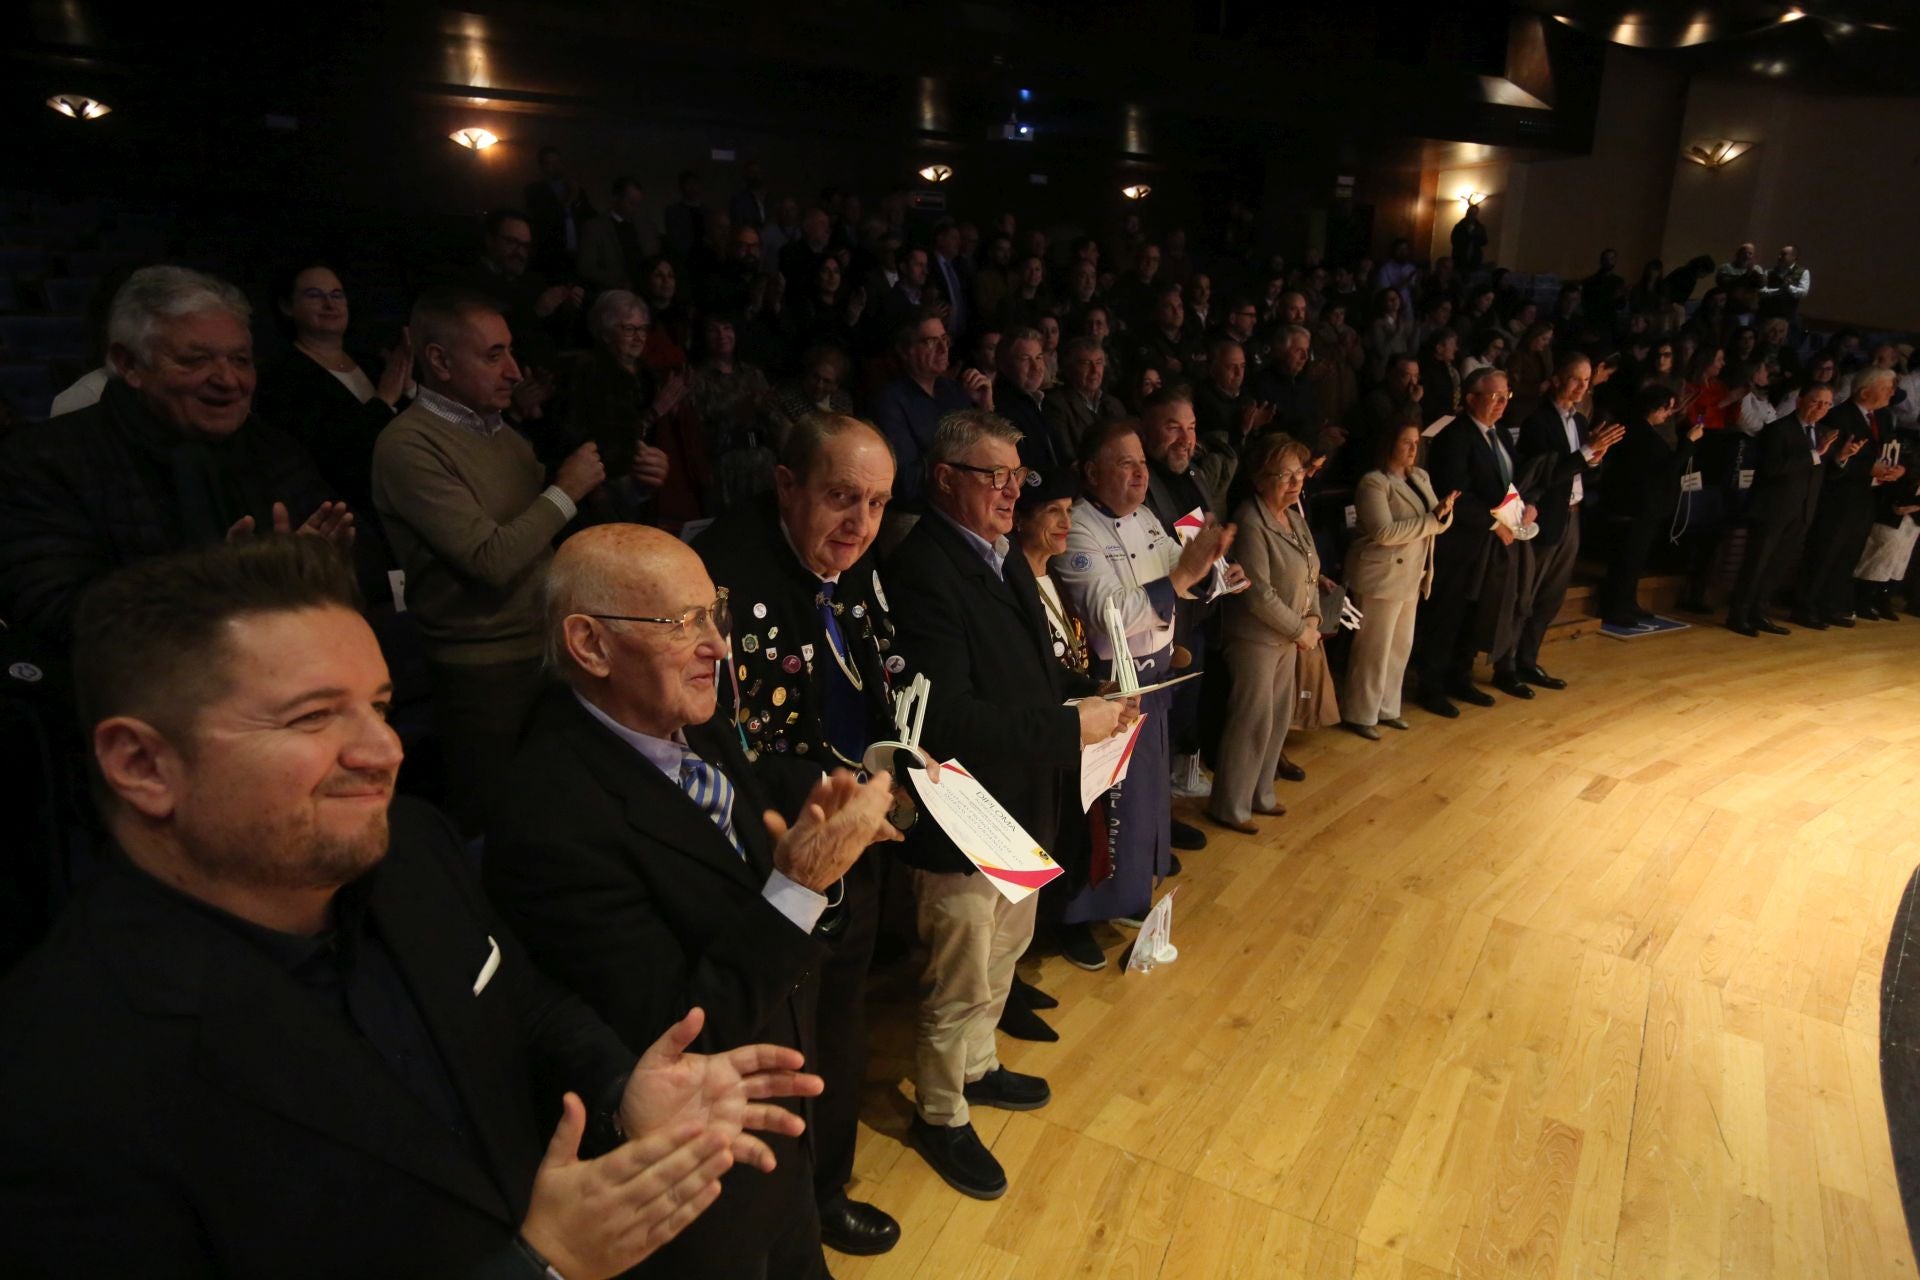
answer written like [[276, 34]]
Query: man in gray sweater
[[472, 520]]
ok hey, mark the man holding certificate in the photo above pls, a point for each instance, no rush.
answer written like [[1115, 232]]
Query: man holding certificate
[[971, 620], [1121, 562]]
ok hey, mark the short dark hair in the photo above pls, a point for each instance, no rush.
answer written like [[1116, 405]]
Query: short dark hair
[[148, 639], [494, 219], [1390, 435], [1179, 391], [438, 309], [1652, 395], [1103, 434], [909, 328]]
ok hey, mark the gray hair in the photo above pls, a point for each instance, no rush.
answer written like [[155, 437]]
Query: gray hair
[[568, 587], [962, 429], [612, 307], [1289, 334], [1075, 348], [1872, 376], [1024, 334], [810, 434], [152, 296], [1480, 377]]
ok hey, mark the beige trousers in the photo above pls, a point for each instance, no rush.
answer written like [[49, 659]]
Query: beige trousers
[[973, 938], [1377, 664], [1256, 728]]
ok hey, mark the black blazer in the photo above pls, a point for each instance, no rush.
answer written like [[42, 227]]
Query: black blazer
[[626, 892], [1849, 485], [772, 591], [1786, 489], [1544, 468], [996, 702], [194, 1111], [1643, 471], [1460, 458], [302, 399]]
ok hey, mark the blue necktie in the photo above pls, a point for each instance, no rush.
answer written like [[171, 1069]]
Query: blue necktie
[[844, 715], [709, 788]]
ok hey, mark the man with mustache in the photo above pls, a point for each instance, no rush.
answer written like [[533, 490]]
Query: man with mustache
[[280, 1034]]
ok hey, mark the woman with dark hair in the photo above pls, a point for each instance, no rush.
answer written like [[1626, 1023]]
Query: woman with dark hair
[[1529, 373], [1641, 489], [1389, 333], [1390, 568], [1336, 346], [828, 313], [1742, 344], [669, 337], [1704, 402], [1439, 378], [1711, 324], [1647, 295], [319, 394], [726, 397], [1145, 382], [1490, 352]]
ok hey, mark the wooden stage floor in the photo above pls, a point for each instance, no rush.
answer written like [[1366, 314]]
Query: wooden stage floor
[[1585, 987]]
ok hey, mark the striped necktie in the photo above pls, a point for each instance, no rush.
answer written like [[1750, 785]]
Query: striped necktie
[[709, 788]]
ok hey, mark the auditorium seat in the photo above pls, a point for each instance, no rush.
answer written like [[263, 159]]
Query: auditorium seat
[[28, 388], [30, 264], [69, 295], [42, 337]]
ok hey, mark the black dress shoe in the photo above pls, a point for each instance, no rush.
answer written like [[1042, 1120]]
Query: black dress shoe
[[1472, 695], [1740, 628], [860, 1230], [1511, 685], [1077, 945], [1031, 996], [1840, 620], [1290, 771], [1187, 836], [1009, 1091], [1808, 621], [960, 1158], [1173, 865], [1537, 676], [1019, 1020], [1770, 627], [1436, 705]]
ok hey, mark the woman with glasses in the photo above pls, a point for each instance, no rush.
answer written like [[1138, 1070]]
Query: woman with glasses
[[612, 398], [321, 395], [1265, 628]]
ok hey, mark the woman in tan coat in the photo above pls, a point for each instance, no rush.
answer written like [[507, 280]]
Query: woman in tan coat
[[1266, 626], [1390, 569]]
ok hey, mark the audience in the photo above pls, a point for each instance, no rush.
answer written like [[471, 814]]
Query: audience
[[791, 374]]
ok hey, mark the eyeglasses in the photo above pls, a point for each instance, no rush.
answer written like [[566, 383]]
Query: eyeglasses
[[631, 330], [690, 623], [940, 341], [324, 295], [999, 477], [1285, 473]]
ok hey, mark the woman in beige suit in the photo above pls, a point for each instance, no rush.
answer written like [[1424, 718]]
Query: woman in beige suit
[[1390, 568], [1266, 626]]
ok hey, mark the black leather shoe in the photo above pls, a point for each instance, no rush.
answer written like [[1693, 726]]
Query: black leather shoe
[[1840, 620], [1009, 1091], [1173, 865], [1741, 628], [1536, 675], [1472, 695], [1290, 771], [1186, 836], [1770, 627], [859, 1230], [1435, 705], [1031, 996], [1808, 621], [1022, 1023], [960, 1158], [1511, 685], [1077, 945]]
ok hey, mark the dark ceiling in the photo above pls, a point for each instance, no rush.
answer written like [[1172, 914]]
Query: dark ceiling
[[1822, 46]]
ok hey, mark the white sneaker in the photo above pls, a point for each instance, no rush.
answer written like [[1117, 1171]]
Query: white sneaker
[[1189, 781]]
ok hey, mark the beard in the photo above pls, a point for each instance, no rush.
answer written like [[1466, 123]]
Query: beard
[[288, 852]]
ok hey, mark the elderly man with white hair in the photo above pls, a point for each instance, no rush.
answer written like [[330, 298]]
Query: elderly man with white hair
[[1853, 468], [169, 458]]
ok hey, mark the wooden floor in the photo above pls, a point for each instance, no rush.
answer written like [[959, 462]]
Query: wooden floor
[[1579, 987]]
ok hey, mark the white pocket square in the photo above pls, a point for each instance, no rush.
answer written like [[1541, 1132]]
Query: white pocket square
[[487, 970]]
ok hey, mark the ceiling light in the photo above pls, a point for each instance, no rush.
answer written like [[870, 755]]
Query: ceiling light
[[1138, 191], [473, 139], [78, 106], [1716, 152], [937, 172], [1793, 15]]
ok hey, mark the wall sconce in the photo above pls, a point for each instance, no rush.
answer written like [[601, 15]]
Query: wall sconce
[[1473, 199], [473, 139], [1138, 191], [78, 106], [1716, 152], [937, 172]]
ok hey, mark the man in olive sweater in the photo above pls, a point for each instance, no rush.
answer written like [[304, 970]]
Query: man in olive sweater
[[472, 520]]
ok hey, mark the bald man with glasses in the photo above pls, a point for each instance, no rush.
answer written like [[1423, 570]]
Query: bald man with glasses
[[638, 858]]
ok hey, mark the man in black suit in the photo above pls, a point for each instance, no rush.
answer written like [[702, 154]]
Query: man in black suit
[[1786, 491], [632, 856], [281, 1034], [1473, 561], [559, 210], [1554, 453], [1018, 398], [972, 622], [1845, 514], [800, 573]]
